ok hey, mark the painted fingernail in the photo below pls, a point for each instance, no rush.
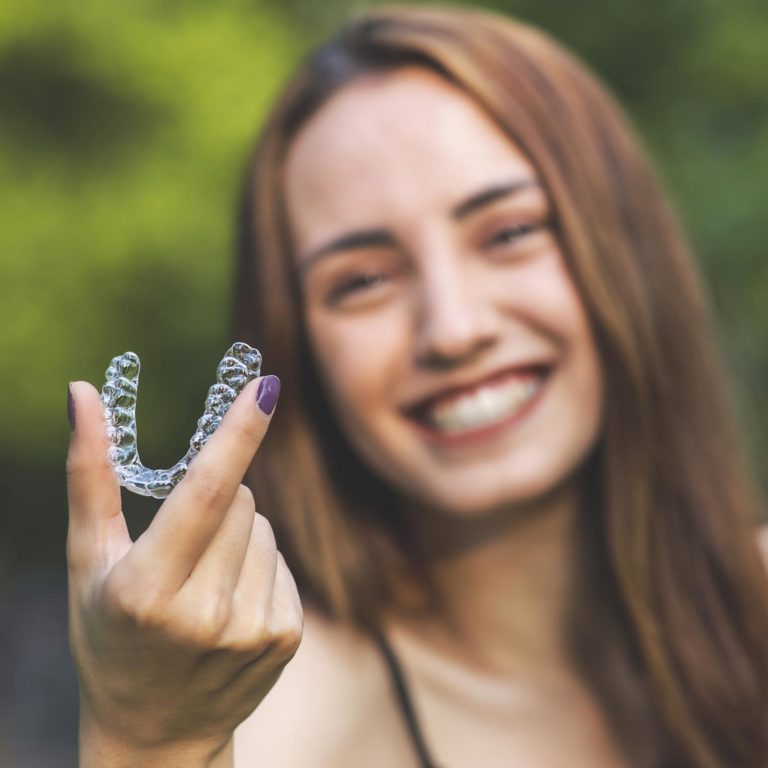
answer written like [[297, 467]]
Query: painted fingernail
[[70, 407], [269, 391]]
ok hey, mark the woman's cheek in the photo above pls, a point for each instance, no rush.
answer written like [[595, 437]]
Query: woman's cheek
[[361, 356]]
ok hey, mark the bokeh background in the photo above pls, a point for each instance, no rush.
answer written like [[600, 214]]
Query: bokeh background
[[124, 128]]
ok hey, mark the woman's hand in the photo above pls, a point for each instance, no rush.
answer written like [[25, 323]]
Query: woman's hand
[[179, 635]]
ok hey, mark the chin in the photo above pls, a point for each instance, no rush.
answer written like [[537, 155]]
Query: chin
[[501, 493], [519, 477]]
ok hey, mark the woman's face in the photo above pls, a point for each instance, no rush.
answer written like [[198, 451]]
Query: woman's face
[[452, 342]]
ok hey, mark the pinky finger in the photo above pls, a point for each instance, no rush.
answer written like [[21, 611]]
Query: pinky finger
[[285, 589], [286, 617]]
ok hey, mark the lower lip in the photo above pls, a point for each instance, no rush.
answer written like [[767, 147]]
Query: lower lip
[[487, 432]]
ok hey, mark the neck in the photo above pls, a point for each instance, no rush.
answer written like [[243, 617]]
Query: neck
[[501, 583]]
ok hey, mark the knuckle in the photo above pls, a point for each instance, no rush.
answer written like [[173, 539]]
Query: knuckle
[[72, 465], [256, 638], [211, 486], [76, 464], [247, 645], [127, 602], [80, 461], [246, 433], [285, 636], [275, 637], [197, 626], [201, 620], [211, 621], [244, 498]]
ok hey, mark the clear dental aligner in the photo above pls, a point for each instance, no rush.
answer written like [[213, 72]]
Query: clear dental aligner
[[240, 365]]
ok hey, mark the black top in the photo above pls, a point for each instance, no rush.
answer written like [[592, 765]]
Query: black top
[[406, 705]]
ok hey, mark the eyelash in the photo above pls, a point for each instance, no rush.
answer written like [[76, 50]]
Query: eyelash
[[354, 284], [519, 230]]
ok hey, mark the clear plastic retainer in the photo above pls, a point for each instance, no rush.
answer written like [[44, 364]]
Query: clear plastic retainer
[[240, 365]]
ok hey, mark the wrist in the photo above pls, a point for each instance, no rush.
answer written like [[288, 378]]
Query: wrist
[[102, 749]]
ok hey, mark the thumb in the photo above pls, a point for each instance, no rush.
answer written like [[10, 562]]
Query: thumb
[[97, 530]]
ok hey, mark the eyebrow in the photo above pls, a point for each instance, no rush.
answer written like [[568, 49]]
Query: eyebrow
[[364, 238]]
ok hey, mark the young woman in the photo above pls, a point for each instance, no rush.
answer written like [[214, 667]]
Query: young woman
[[504, 469]]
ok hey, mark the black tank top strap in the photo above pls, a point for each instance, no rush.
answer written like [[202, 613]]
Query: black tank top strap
[[404, 700]]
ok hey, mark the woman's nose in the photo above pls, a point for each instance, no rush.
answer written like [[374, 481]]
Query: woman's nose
[[455, 318]]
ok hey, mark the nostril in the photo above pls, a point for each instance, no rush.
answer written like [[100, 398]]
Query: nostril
[[449, 352]]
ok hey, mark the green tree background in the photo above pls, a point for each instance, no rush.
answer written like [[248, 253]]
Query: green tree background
[[123, 132]]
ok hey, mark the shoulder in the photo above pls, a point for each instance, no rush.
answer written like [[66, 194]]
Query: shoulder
[[323, 704]]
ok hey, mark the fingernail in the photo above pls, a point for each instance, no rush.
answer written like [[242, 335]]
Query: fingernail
[[269, 391], [71, 407]]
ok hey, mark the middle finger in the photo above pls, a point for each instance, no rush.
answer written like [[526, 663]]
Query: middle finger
[[218, 570]]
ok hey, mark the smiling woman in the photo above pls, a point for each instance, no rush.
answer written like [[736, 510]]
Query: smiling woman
[[503, 390], [504, 472]]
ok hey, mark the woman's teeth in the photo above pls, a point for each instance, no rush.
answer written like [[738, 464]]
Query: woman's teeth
[[483, 406]]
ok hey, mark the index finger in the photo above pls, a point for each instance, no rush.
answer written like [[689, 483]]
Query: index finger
[[191, 515]]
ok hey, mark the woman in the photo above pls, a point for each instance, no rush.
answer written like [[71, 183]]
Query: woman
[[504, 470]]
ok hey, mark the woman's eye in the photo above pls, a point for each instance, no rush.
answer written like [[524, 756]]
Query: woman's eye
[[356, 284], [511, 234]]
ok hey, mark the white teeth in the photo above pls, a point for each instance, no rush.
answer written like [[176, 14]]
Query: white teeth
[[490, 403]]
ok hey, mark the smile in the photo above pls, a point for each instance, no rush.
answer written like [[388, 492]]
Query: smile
[[482, 409]]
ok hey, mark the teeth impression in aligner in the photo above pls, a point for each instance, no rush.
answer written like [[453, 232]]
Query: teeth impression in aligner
[[240, 365]]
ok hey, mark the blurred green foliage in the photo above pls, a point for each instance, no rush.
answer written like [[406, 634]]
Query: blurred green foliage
[[123, 131]]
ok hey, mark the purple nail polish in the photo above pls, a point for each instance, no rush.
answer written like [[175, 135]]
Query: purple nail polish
[[269, 391], [71, 407]]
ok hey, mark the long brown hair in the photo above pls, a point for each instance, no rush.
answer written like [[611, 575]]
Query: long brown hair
[[670, 619]]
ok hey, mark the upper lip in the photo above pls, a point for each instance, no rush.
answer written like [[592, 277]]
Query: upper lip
[[423, 402]]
